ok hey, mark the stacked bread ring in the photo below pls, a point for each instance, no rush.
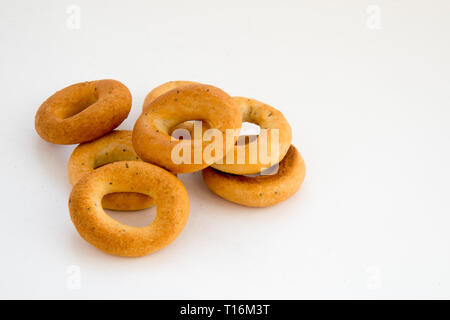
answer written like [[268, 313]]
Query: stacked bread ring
[[132, 170]]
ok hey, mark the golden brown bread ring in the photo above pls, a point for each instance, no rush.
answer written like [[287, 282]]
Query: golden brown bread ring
[[115, 146], [82, 112], [260, 191], [267, 118], [113, 237], [252, 111], [191, 102]]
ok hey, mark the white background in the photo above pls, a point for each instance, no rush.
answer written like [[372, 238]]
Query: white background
[[370, 112]]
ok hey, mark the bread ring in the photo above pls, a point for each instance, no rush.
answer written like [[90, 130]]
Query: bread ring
[[252, 111], [115, 146], [113, 237], [82, 112], [267, 118], [260, 191], [191, 102], [165, 87]]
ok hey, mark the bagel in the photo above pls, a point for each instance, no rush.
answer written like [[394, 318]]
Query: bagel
[[263, 190], [115, 146], [252, 111], [113, 237], [83, 112], [191, 102]]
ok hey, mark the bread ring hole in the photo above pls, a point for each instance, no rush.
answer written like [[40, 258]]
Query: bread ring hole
[[121, 200], [141, 218], [249, 133], [270, 171], [87, 99], [250, 129], [185, 130]]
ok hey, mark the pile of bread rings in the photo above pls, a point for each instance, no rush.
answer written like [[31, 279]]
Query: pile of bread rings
[[133, 170]]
